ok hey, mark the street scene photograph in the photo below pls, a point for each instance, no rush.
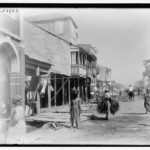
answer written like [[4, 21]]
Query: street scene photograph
[[74, 76]]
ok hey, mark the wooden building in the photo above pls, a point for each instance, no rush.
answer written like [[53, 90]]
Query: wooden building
[[83, 69], [52, 47], [55, 38]]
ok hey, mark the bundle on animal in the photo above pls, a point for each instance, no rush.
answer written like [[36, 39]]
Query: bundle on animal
[[114, 107], [103, 107]]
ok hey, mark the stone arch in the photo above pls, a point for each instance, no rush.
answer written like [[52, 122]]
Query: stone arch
[[12, 52], [9, 65]]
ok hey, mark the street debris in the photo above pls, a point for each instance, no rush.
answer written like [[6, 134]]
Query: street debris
[[52, 125]]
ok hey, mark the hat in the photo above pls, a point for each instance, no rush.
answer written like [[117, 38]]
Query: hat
[[17, 99]]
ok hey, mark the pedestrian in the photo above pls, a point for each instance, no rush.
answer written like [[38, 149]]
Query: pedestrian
[[75, 109], [138, 91], [17, 127], [131, 93], [147, 100], [107, 98]]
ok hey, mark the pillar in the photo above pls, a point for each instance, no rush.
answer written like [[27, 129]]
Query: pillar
[[55, 88], [49, 91], [63, 90]]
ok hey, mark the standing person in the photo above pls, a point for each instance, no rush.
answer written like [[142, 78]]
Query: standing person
[[107, 97], [147, 100], [138, 91], [75, 109], [17, 130], [131, 93]]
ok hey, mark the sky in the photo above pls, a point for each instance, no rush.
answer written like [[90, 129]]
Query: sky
[[121, 36]]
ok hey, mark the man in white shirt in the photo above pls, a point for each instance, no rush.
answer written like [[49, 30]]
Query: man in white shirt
[[131, 93], [130, 88]]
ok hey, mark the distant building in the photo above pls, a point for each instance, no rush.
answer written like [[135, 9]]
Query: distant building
[[103, 77], [103, 73]]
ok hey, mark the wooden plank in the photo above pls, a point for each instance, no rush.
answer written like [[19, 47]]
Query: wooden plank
[[78, 87], [63, 92], [86, 93], [60, 89], [37, 71], [55, 88], [78, 58], [69, 90], [49, 91], [38, 102]]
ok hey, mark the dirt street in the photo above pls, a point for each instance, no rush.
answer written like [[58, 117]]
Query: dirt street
[[129, 126]]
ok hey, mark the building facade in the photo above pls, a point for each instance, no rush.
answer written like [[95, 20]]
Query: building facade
[[103, 78], [11, 61], [57, 37]]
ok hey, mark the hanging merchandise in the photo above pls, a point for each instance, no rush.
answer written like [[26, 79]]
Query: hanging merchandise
[[44, 84]]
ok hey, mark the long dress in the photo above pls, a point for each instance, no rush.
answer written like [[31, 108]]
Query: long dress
[[75, 111], [17, 130]]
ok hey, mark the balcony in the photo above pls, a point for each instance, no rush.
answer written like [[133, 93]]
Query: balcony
[[78, 70], [91, 71]]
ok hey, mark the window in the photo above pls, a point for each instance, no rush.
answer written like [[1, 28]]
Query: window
[[74, 58], [59, 27]]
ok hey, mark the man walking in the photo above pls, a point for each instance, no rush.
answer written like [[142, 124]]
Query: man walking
[[131, 93]]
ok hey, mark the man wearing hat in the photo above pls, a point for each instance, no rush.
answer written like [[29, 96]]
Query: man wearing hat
[[75, 109]]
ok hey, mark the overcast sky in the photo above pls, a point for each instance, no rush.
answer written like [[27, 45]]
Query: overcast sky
[[121, 36]]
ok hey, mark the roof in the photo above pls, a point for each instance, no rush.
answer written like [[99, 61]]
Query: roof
[[50, 17], [30, 51], [102, 67], [87, 48], [37, 55]]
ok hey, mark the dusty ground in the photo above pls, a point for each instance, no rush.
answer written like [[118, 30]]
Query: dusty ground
[[129, 126]]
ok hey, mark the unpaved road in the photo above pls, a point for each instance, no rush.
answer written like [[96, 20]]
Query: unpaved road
[[129, 126]]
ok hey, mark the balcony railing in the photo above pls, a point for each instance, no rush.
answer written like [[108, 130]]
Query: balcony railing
[[78, 70]]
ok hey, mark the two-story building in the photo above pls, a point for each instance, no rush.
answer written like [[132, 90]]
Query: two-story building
[[56, 37], [83, 68], [50, 36]]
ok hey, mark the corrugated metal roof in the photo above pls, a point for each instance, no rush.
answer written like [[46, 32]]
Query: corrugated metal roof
[[50, 17]]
